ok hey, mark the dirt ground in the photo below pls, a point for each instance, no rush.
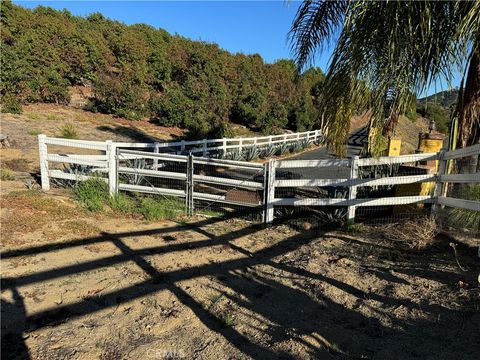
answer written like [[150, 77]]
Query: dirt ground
[[82, 286]]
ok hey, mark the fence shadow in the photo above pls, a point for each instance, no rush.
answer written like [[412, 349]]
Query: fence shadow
[[299, 313]]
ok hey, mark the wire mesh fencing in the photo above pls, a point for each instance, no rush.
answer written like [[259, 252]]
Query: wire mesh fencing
[[211, 187], [461, 186]]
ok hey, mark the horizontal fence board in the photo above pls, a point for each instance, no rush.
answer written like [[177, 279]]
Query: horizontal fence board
[[75, 160], [459, 203], [219, 198], [399, 200], [397, 180], [153, 173], [226, 181], [135, 154], [58, 174], [134, 145], [388, 160], [151, 190], [311, 182], [230, 163], [463, 152], [286, 164], [461, 178], [85, 157], [83, 144]]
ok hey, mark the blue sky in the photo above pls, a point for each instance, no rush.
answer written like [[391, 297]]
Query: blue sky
[[237, 26]]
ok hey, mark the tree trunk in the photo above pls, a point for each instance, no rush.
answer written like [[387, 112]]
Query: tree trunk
[[468, 110], [468, 105]]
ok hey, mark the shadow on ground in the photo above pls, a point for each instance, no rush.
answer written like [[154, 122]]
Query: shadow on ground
[[299, 312]]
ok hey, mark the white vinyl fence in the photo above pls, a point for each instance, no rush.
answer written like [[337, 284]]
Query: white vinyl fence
[[285, 183], [103, 159]]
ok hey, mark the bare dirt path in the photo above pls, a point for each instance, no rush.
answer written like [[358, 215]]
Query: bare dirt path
[[78, 286]]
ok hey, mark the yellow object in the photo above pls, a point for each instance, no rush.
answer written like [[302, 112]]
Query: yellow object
[[394, 146], [427, 143]]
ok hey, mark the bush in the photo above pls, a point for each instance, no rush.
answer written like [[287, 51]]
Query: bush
[[160, 208], [92, 194], [10, 104]]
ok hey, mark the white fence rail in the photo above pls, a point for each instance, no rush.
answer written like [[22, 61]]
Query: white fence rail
[[107, 163]]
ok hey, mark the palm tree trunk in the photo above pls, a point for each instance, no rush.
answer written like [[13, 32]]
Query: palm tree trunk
[[468, 110], [468, 106]]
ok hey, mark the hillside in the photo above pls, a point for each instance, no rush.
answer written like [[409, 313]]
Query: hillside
[[443, 98], [140, 72]]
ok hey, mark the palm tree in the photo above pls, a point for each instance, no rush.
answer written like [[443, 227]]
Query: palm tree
[[387, 51]]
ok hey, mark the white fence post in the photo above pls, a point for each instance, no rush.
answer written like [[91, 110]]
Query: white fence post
[[269, 213], [156, 150], [442, 166], [182, 146], [189, 186], [224, 146], [112, 167], [352, 193], [240, 144], [43, 154], [204, 147]]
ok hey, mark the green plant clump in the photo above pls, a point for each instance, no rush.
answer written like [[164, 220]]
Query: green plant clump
[[6, 174], [122, 203], [69, 131], [160, 208], [92, 194]]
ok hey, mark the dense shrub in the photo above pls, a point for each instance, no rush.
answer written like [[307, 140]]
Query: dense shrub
[[138, 71]]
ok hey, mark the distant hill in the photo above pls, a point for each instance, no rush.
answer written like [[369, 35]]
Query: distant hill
[[443, 98]]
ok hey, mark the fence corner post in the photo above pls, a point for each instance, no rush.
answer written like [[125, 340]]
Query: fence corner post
[[270, 191], [352, 192], [439, 185], [112, 167], [43, 155]]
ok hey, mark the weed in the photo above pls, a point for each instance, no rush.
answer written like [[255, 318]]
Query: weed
[[33, 132], [227, 320], [69, 131], [52, 117], [33, 116], [92, 194], [160, 208], [122, 203], [354, 228], [214, 298], [6, 174]]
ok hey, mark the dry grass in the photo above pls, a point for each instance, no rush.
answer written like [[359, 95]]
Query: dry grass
[[418, 233], [28, 211]]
